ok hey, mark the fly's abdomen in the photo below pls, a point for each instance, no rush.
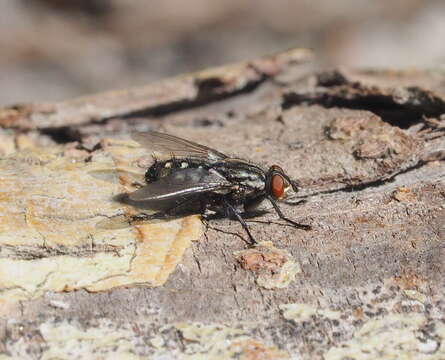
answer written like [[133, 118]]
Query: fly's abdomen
[[164, 168]]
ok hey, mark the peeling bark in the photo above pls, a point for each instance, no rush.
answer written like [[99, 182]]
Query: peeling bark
[[367, 147]]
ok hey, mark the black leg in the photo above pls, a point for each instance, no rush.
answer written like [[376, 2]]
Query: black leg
[[281, 216], [232, 211]]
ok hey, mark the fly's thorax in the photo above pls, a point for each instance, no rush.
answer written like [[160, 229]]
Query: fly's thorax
[[243, 174]]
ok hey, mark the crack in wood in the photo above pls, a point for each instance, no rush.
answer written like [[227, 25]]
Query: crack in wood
[[401, 107], [366, 185], [23, 252]]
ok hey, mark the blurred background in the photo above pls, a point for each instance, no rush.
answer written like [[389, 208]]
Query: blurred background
[[57, 49]]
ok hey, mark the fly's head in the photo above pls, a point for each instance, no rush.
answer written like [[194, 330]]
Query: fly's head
[[278, 184]]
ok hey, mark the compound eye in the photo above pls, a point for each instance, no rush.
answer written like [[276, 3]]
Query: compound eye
[[277, 186]]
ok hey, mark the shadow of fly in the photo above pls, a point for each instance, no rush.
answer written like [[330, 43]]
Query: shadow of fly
[[195, 179]]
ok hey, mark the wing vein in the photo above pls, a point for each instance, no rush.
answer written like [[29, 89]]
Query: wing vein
[[174, 146]]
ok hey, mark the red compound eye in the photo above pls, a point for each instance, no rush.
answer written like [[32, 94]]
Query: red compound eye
[[277, 186]]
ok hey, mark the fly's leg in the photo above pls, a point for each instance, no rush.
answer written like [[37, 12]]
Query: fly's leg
[[232, 211], [282, 217]]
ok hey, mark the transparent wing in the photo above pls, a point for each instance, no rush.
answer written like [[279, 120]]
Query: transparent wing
[[180, 184], [174, 146]]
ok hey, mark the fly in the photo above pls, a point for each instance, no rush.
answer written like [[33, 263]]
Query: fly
[[196, 179]]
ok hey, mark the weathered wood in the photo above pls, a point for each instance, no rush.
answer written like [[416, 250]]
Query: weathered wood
[[366, 146]]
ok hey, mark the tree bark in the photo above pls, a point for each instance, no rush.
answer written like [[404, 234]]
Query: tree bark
[[368, 149]]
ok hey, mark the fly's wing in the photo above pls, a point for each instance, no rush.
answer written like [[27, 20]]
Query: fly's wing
[[177, 147], [181, 184]]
